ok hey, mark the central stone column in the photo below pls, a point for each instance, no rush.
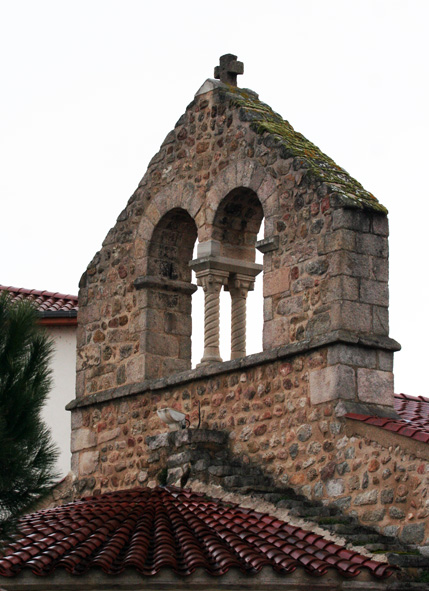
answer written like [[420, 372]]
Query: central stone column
[[238, 276], [211, 282], [239, 286]]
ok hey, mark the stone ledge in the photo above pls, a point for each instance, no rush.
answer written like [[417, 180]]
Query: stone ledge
[[150, 281], [186, 437], [268, 244], [373, 410], [205, 371]]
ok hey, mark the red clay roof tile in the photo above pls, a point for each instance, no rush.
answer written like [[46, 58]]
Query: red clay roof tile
[[413, 421], [46, 302], [149, 529]]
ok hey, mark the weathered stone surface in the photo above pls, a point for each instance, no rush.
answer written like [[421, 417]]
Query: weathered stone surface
[[413, 533], [387, 495], [375, 386], [88, 462], [396, 513], [367, 498], [325, 327], [304, 432], [330, 383], [335, 487], [82, 439], [109, 435]]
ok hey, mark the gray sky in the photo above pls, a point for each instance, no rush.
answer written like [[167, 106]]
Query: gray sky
[[89, 90]]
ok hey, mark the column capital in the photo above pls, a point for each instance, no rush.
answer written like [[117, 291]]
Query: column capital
[[211, 280], [239, 284]]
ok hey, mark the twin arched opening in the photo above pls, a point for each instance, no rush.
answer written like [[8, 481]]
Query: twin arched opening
[[226, 259]]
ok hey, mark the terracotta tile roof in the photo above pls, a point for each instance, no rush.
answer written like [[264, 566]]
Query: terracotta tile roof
[[414, 421], [149, 529], [47, 302]]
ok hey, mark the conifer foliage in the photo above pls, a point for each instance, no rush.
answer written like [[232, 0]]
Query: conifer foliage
[[27, 454]]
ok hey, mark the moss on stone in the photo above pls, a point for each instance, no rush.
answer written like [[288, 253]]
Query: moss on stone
[[318, 166]]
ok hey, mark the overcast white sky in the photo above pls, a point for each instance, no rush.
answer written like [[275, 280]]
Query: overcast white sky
[[89, 90]]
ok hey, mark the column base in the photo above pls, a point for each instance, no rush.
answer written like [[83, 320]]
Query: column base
[[207, 359]]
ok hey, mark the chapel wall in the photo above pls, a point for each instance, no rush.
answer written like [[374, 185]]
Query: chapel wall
[[271, 424]]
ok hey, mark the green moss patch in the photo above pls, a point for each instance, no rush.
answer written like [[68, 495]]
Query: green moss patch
[[319, 168]]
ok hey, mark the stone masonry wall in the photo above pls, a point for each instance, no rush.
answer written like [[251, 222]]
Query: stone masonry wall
[[325, 267], [272, 425]]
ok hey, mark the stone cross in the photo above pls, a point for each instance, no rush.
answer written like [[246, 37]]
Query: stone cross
[[228, 69]]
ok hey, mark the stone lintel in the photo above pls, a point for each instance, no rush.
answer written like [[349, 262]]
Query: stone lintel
[[268, 244], [152, 282], [202, 372], [218, 263]]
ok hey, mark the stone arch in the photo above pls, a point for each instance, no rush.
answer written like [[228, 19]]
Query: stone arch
[[180, 196], [236, 224], [246, 174], [165, 295]]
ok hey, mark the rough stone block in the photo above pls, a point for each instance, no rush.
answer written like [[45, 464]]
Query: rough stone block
[[379, 269], [374, 292], [268, 308], [88, 462], [76, 419], [276, 333], [330, 383], [385, 360], [380, 225], [277, 281], [413, 533], [290, 305], [376, 246], [109, 435], [351, 219], [369, 497], [340, 287], [349, 263], [82, 439], [157, 441], [350, 355], [335, 487], [351, 316], [380, 320], [375, 386], [339, 240]]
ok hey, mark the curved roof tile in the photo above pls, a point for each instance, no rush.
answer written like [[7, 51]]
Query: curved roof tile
[[149, 529], [413, 421], [46, 302]]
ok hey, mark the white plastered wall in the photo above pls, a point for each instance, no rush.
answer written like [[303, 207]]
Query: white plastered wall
[[63, 390]]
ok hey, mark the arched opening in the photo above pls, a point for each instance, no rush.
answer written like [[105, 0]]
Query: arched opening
[[168, 322], [237, 223], [171, 246], [228, 260]]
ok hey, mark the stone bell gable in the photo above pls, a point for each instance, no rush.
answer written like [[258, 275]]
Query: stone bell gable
[[314, 411], [230, 165]]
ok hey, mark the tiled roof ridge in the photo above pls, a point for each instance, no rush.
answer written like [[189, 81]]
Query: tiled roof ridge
[[152, 528], [48, 304], [37, 292]]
